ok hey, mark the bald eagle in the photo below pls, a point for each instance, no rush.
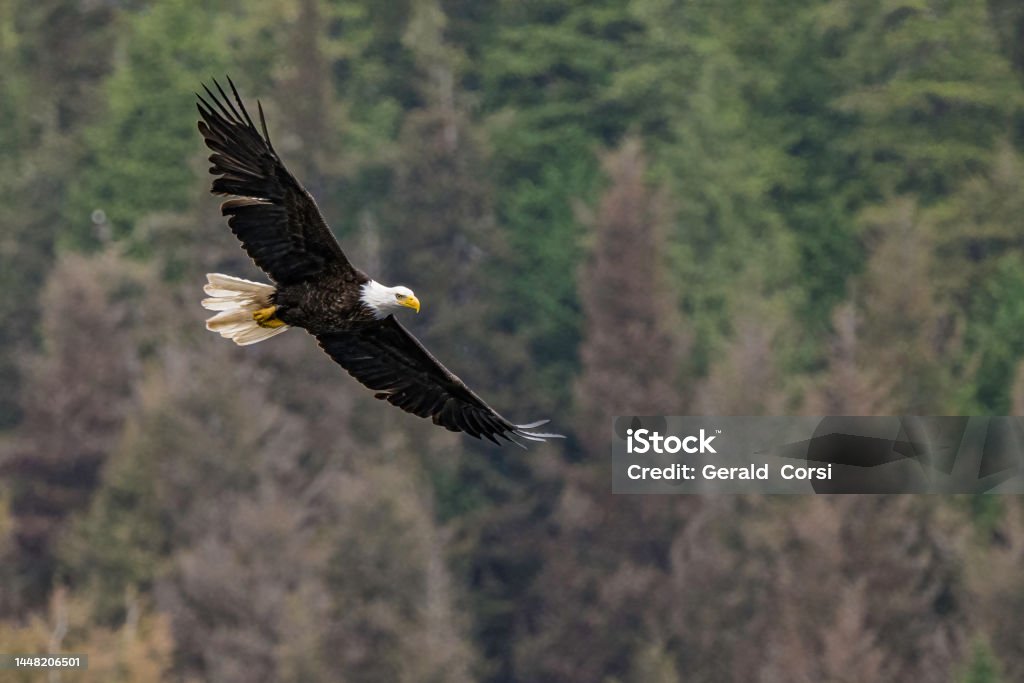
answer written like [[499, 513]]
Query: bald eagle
[[315, 287]]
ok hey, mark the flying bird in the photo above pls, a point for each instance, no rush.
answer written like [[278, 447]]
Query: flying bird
[[315, 287]]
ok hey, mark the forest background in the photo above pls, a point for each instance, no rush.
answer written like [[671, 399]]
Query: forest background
[[629, 207]]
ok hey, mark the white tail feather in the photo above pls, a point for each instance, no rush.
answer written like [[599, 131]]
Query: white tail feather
[[237, 299]]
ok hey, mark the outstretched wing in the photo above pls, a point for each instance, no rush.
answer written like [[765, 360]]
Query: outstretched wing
[[385, 357], [277, 221]]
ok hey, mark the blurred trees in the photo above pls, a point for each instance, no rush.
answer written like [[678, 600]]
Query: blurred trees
[[137, 649], [55, 55], [139, 148], [606, 207], [543, 80], [929, 93], [79, 389], [634, 344]]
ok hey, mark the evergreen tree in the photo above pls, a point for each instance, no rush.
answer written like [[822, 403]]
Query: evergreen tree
[[543, 81], [909, 334], [139, 154], [929, 92], [723, 159], [1008, 21], [851, 383], [748, 377], [978, 253]]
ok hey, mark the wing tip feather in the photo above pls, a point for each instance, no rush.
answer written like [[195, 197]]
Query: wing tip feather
[[523, 430]]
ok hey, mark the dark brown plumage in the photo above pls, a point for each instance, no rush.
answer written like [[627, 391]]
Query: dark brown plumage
[[316, 288]]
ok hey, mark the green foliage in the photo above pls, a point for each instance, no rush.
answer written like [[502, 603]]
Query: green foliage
[[928, 92], [140, 153], [727, 226], [980, 252], [986, 513], [721, 135], [543, 82], [993, 341], [374, 73], [983, 666]]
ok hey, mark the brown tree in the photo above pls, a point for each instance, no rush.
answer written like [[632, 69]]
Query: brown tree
[[850, 385], [894, 346], [907, 328], [80, 387], [633, 346], [747, 379]]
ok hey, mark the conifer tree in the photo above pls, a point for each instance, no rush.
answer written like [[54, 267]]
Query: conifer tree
[[978, 252], [930, 94], [910, 338], [633, 346], [139, 153], [852, 384], [544, 78]]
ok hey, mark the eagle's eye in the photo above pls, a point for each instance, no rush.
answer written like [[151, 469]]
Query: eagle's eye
[[399, 296]]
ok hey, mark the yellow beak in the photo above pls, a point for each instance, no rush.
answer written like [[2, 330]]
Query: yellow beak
[[411, 302]]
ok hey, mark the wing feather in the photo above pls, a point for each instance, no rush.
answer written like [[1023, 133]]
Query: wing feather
[[386, 358], [276, 220]]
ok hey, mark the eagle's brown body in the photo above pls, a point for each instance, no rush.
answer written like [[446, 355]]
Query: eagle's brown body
[[328, 305]]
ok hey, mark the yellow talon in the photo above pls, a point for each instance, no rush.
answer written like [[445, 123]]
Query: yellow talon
[[265, 317]]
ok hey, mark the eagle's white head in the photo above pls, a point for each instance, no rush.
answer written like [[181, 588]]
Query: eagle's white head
[[384, 301]]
